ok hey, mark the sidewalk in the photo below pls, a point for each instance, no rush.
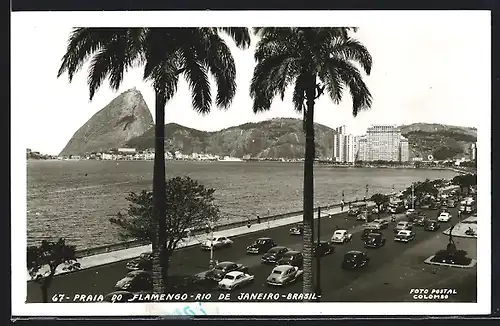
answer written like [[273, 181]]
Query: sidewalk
[[130, 253]]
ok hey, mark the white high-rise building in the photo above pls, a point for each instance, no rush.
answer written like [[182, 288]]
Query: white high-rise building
[[383, 143], [404, 150], [343, 146]]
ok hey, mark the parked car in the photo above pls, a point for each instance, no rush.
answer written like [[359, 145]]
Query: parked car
[[452, 203], [261, 245], [396, 208], [356, 208], [411, 213], [403, 225], [283, 275], [217, 243], [236, 279], [405, 236], [432, 225], [297, 230], [375, 240], [135, 281], [322, 249], [341, 236], [143, 262], [221, 269], [355, 259], [274, 254], [292, 257], [444, 217], [366, 232]]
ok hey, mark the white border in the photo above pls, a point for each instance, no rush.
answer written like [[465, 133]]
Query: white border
[[479, 19]]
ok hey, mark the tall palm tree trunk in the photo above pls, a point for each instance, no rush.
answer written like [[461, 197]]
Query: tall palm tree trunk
[[159, 192], [308, 194]]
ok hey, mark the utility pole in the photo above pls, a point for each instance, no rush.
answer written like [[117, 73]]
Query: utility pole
[[211, 263], [366, 193], [318, 258]]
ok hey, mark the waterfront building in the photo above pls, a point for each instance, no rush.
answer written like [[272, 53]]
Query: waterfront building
[[383, 143], [344, 146], [362, 146], [404, 150], [473, 151], [126, 150]]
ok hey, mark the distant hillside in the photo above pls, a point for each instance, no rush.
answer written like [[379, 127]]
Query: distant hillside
[[125, 117], [274, 138], [441, 141]]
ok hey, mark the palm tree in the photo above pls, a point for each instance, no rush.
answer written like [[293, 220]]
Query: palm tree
[[166, 54], [302, 56]]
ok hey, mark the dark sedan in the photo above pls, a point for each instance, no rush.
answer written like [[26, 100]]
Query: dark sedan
[[366, 232], [220, 270], [261, 245], [274, 254], [432, 225], [297, 230], [420, 220], [374, 240], [292, 258], [143, 262], [355, 259], [322, 249]]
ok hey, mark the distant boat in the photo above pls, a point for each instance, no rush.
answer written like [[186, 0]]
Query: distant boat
[[230, 159]]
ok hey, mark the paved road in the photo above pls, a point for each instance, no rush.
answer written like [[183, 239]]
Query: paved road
[[100, 280]]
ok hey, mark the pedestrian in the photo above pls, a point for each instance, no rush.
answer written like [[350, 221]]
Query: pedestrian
[[393, 218], [258, 219], [342, 205]]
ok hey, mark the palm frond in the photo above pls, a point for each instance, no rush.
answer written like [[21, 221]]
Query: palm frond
[[352, 50], [82, 43], [240, 35], [329, 76], [299, 93], [197, 78], [351, 77], [221, 65]]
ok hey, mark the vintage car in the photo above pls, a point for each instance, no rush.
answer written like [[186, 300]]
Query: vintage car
[[322, 249], [143, 262], [355, 259], [274, 254], [378, 224], [452, 204], [135, 281], [420, 220], [283, 275], [341, 236], [221, 269], [363, 216], [367, 231], [261, 245], [375, 240], [444, 217], [233, 280], [354, 211], [411, 214], [405, 236], [403, 225], [297, 230], [432, 225], [217, 243], [292, 257]]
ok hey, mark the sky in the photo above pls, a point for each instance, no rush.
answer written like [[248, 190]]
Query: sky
[[429, 67]]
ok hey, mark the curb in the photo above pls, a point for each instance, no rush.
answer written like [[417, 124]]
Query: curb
[[471, 264], [447, 232]]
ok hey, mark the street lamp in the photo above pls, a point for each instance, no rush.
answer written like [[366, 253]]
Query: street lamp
[[366, 192], [318, 257], [211, 262]]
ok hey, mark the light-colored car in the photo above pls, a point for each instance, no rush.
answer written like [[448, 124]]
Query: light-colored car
[[403, 225], [405, 236], [283, 275], [378, 224], [444, 217], [341, 236], [216, 242], [235, 280]]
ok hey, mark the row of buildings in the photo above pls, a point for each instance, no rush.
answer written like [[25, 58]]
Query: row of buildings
[[381, 143]]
